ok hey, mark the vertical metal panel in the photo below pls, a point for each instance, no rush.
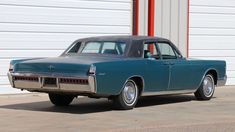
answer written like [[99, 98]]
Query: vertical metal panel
[[183, 27], [45, 28], [171, 22], [158, 18], [143, 17], [166, 18], [174, 21]]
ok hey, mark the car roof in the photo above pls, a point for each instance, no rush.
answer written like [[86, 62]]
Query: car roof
[[128, 39], [121, 38]]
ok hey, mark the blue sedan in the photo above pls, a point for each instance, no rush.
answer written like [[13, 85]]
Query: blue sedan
[[121, 68]]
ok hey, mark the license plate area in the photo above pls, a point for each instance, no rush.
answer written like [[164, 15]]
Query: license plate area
[[49, 82]]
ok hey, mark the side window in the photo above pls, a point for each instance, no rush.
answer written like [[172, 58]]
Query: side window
[[75, 48], [121, 47], [150, 51], [108, 46], [167, 51], [114, 48], [92, 47]]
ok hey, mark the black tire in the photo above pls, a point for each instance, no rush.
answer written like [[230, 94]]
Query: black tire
[[60, 100], [125, 101], [205, 92]]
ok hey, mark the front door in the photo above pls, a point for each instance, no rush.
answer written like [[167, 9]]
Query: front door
[[180, 69]]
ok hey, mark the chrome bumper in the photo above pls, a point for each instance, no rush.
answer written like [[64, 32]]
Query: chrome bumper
[[39, 85], [222, 82]]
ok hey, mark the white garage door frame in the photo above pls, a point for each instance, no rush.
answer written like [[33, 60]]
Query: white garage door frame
[[45, 28], [212, 32]]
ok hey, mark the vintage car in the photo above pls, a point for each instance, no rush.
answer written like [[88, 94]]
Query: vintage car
[[120, 68]]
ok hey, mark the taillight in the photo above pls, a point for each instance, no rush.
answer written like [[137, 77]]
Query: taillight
[[92, 70]]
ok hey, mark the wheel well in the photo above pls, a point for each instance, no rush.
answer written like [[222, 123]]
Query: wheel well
[[139, 82], [214, 74]]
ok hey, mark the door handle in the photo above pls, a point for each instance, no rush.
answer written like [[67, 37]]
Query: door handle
[[166, 63], [169, 63]]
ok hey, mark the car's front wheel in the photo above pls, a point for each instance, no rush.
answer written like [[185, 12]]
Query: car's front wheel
[[127, 99], [60, 99], [206, 89]]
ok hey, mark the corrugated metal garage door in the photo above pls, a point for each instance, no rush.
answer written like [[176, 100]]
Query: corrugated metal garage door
[[212, 32], [44, 28]]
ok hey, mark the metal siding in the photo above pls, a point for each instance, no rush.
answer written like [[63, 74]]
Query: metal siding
[[174, 25], [171, 22], [158, 18], [183, 26], [143, 17], [212, 32], [166, 18], [45, 28]]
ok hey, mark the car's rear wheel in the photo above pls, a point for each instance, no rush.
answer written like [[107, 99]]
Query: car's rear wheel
[[206, 89], [60, 100], [127, 99]]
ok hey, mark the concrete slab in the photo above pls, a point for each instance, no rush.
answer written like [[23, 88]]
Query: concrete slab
[[34, 112]]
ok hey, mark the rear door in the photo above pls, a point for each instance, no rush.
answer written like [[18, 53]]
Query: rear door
[[157, 70]]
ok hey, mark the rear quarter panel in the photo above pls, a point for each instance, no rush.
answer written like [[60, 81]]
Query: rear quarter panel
[[201, 67], [111, 76]]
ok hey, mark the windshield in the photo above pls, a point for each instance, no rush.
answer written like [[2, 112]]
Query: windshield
[[97, 47]]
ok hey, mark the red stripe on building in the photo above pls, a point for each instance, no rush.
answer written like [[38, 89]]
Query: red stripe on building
[[151, 21]]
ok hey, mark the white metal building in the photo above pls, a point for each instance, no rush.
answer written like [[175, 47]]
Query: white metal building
[[212, 32], [202, 29], [45, 28]]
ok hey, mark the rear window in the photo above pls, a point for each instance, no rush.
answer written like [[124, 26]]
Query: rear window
[[97, 47]]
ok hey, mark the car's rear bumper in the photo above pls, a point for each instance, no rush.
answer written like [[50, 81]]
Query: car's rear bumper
[[52, 83], [222, 81]]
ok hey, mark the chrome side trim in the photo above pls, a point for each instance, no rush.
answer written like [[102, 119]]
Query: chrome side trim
[[169, 78], [168, 92]]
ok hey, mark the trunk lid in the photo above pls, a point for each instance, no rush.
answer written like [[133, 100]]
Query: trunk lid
[[78, 65]]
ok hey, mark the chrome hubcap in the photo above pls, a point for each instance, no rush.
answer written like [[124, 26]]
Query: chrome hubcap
[[130, 93], [208, 86]]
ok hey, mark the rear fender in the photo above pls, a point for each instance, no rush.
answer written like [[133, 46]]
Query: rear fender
[[111, 76]]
